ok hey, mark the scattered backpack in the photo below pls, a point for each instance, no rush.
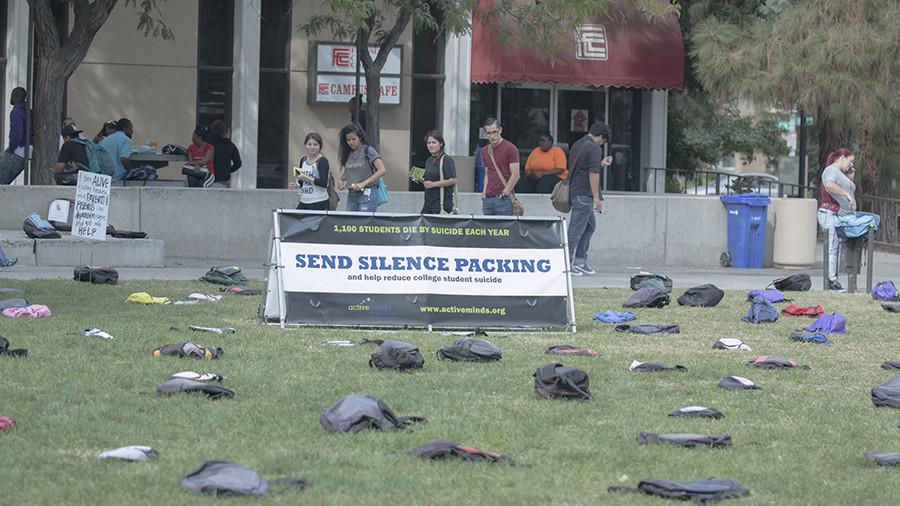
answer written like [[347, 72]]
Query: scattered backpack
[[793, 283], [95, 274], [357, 412], [8, 303], [225, 275], [471, 350], [885, 290], [705, 490], [188, 350], [555, 381], [832, 323], [685, 440], [613, 317], [813, 311], [648, 328], [397, 355], [884, 458], [729, 343], [654, 367], [772, 296], [802, 337], [442, 449], [36, 227], [174, 149], [647, 297], [697, 411], [222, 478], [644, 276], [887, 394], [177, 385], [737, 383], [567, 349], [773, 362], [59, 204], [891, 308], [142, 173], [7, 422], [6, 351], [857, 224], [891, 364], [760, 311], [130, 453], [124, 234], [707, 295]]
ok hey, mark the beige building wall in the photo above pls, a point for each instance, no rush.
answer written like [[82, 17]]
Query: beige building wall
[[151, 81], [328, 119]]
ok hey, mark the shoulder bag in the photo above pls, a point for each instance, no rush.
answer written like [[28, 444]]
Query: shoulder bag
[[560, 195], [518, 207], [454, 209]]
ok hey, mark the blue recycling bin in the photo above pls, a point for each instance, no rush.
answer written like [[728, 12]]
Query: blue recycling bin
[[746, 228]]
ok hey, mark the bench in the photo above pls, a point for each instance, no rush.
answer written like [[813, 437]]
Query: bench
[[72, 251]]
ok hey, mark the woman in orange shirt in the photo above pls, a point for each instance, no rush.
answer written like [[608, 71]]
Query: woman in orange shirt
[[545, 167]]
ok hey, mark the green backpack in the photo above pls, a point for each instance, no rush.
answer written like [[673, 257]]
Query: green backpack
[[225, 275]]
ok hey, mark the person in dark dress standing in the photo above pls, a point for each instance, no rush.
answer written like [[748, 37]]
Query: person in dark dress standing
[[440, 177]]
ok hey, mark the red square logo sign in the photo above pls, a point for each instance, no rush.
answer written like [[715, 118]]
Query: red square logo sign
[[341, 57], [323, 89]]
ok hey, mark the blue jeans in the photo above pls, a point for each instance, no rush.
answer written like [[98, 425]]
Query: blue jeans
[[497, 206], [3, 257], [11, 165], [360, 202], [582, 224]]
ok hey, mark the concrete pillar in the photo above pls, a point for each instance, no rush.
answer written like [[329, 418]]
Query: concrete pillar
[[457, 93], [16, 64], [655, 121], [245, 91]]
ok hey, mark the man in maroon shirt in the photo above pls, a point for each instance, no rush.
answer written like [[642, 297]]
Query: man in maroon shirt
[[502, 155]]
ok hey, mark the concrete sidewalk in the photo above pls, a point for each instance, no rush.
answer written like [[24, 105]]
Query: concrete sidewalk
[[887, 266]]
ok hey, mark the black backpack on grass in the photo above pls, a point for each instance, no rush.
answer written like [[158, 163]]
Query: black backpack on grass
[[225, 275], [638, 279], [174, 386], [96, 275], [793, 283], [471, 350], [444, 449], [357, 412], [887, 394], [188, 350], [397, 355], [707, 295], [704, 490], [557, 381], [647, 297]]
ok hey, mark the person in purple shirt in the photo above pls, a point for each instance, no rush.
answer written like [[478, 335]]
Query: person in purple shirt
[[12, 162]]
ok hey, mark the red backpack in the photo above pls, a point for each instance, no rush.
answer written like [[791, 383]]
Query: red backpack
[[793, 310]]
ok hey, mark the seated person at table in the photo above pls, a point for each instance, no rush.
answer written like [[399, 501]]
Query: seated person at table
[[119, 147], [72, 157], [545, 167], [201, 160], [106, 130]]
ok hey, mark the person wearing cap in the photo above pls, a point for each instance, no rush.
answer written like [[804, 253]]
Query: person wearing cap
[[65, 122], [72, 157]]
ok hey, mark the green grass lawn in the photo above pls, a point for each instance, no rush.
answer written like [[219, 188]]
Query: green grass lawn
[[800, 440]]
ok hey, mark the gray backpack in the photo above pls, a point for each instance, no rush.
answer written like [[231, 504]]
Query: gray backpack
[[556, 381], [357, 412], [685, 440], [887, 394], [704, 490], [397, 355], [219, 477], [471, 350], [177, 385], [647, 297]]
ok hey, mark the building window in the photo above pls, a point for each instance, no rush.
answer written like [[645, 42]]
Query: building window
[[427, 94], [525, 115], [483, 106], [274, 94], [576, 111], [215, 49], [625, 141]]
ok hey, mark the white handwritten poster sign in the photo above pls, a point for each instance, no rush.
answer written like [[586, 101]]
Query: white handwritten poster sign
[[91, 205]]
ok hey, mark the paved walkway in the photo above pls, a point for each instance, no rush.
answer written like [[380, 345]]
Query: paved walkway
[[887, 266]]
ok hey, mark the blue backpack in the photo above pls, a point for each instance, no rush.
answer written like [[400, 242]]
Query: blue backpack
[[99, 161], [768, 295], [833, 323], [761, 311], [885, 290], [856, 224]]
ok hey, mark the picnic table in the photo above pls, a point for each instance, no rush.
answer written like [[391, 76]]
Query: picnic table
[[159, 161]]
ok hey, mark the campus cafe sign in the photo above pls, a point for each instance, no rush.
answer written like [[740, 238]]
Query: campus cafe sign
[[415, 271], [335, 74]]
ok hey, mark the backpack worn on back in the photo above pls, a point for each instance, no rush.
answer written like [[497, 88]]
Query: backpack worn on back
[[760, 311], [557, 381], [397, 355], [885, 290], [99, 160], [705, 490], [96, 275], [357, 412], [471, 350], [647, 297], [793, 283], [442, 449], [707, 295], [225, 275], [36, 227], [637, 279]]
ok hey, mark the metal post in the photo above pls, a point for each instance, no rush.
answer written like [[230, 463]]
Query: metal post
[[801, 155], [870, 258], [825, 260]]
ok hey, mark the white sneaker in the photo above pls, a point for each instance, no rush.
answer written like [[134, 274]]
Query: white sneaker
[[584, 269], [575, 272]]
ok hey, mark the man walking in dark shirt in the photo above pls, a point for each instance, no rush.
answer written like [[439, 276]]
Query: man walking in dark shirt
[[585, 161], [12, 163]]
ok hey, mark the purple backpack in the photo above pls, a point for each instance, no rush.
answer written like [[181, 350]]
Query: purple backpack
[[769, 295], [885, 290], [830, 323]]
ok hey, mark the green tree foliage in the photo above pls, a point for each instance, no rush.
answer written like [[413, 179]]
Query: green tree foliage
[[702, 130], [839, 59]]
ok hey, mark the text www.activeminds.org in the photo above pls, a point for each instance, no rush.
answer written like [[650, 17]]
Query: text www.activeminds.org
[[464, 310]]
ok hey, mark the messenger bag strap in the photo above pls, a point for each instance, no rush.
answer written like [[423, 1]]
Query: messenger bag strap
[[496, 167]]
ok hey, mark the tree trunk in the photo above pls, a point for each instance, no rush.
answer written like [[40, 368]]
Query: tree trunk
[[49, 88], [831, 137], [373, 109]]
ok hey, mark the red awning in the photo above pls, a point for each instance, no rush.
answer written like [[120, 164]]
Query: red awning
[[629, 52]]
